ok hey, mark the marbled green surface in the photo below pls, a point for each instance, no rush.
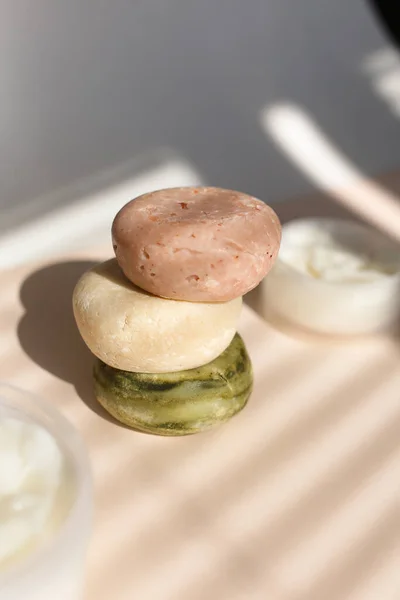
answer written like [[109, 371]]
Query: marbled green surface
[[178, 403]]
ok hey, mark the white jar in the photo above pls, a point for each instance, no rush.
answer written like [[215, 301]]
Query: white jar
[[334, 276], [53, 568]]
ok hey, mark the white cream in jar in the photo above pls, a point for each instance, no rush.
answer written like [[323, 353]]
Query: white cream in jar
[[335, 276], [45, 501], [33, 482]]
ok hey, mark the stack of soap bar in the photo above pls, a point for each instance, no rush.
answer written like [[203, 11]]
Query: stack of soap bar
[[162, 317]]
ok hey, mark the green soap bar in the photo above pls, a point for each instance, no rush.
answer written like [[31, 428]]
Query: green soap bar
[[178, 403]]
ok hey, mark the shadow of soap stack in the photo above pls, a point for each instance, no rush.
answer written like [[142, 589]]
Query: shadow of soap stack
[[161, 318]]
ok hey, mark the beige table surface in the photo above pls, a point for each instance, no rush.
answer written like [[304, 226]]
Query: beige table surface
[[297, 498]]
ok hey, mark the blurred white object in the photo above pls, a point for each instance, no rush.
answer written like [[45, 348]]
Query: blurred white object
[[383, 68], [334, 276], [309, 148], [45, 501]]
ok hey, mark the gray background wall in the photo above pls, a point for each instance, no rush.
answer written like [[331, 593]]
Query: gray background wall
[[88, 84]]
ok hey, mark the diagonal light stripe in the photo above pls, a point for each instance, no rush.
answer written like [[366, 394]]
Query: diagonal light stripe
[[305, 143], [88, 222]]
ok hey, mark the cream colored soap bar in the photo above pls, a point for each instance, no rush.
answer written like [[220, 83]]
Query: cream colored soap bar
[[130, 329]]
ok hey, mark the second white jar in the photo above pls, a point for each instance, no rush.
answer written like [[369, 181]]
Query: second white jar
[[336, 277]]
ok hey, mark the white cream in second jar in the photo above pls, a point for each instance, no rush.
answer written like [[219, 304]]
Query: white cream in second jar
[[335, 276], [32, 487]]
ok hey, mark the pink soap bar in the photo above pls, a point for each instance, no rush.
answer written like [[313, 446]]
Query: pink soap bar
[[201, 244]]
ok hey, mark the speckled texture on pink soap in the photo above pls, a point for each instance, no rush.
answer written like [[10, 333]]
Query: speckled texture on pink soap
[[202, 244]]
